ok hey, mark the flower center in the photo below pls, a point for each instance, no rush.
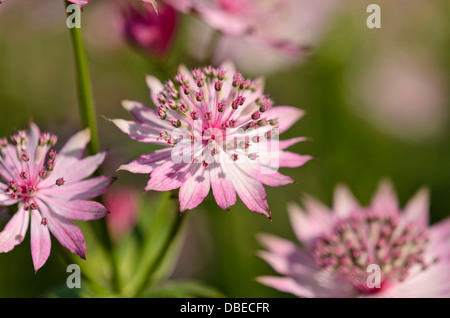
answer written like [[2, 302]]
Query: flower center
[[216, 117], [24, 172], [366, 239]]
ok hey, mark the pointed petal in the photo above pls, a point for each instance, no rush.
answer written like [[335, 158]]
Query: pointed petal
[[286, 285], [344, 203], [139, 132], [308, 226], [67, 233], [230, 70], [82, 210], [33, 140], [195, 189], [155, 86], [251, 192], [417, 208], [169, 176], [145, 114], [385, 201], [73, 170], [147, 163], [285, 115], [81, 190], [274, 179], [40, 240], [284, 144], [75, 146], [222, 186], [14, 231], [292, 160]]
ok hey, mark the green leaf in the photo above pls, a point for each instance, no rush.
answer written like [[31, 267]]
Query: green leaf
[[183, 289], [159, 231]]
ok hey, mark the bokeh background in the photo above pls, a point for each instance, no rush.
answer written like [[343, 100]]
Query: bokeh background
[[377, 106]]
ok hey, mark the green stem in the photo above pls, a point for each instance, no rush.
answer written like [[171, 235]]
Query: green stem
[[87, 114], [85, 96], [176, 226]]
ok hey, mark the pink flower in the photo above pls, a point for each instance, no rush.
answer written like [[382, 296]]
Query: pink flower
[[123, 205], [148, 30], [51, 188], [338, 248], [221, 132], [289, 27], [81, 3], [404, 94]]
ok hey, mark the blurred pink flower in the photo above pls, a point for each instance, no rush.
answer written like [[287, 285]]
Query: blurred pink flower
[[81, 3], [270, 34], [222, 132], [52, 191], [122, 203], [150, 31], [338, 246], [404, 94]]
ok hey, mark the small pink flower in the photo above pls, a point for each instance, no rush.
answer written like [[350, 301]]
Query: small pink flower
[[148, 30], [338, 247], [50, 187], [123, 205], [220, 132]]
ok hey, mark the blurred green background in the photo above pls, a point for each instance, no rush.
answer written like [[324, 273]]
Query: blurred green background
[[353, 135]]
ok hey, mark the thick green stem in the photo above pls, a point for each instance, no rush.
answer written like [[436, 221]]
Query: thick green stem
[[85, 96], [87, 114]]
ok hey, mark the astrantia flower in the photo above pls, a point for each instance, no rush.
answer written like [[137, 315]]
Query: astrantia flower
[[148, 30], [51, 188], [344, 248], [220, 130], [289, 27]]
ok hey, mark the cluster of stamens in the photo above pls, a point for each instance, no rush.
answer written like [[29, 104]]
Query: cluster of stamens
[[366, 238], [197, 102], [23, 179]]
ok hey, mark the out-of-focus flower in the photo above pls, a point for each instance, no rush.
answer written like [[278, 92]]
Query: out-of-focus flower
[[402, 94], [122, 203], [339, 246], [150, 31], [283, 31], [50, 188], [81, 3], [222, 132]]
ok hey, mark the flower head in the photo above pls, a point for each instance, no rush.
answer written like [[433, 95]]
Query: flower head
[[150, 31], [286, 28], [220, 131], [123, 204], [375, 251], [51, 187]]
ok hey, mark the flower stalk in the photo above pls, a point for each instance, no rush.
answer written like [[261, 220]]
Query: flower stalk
[[85, 95], [87, 115]]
